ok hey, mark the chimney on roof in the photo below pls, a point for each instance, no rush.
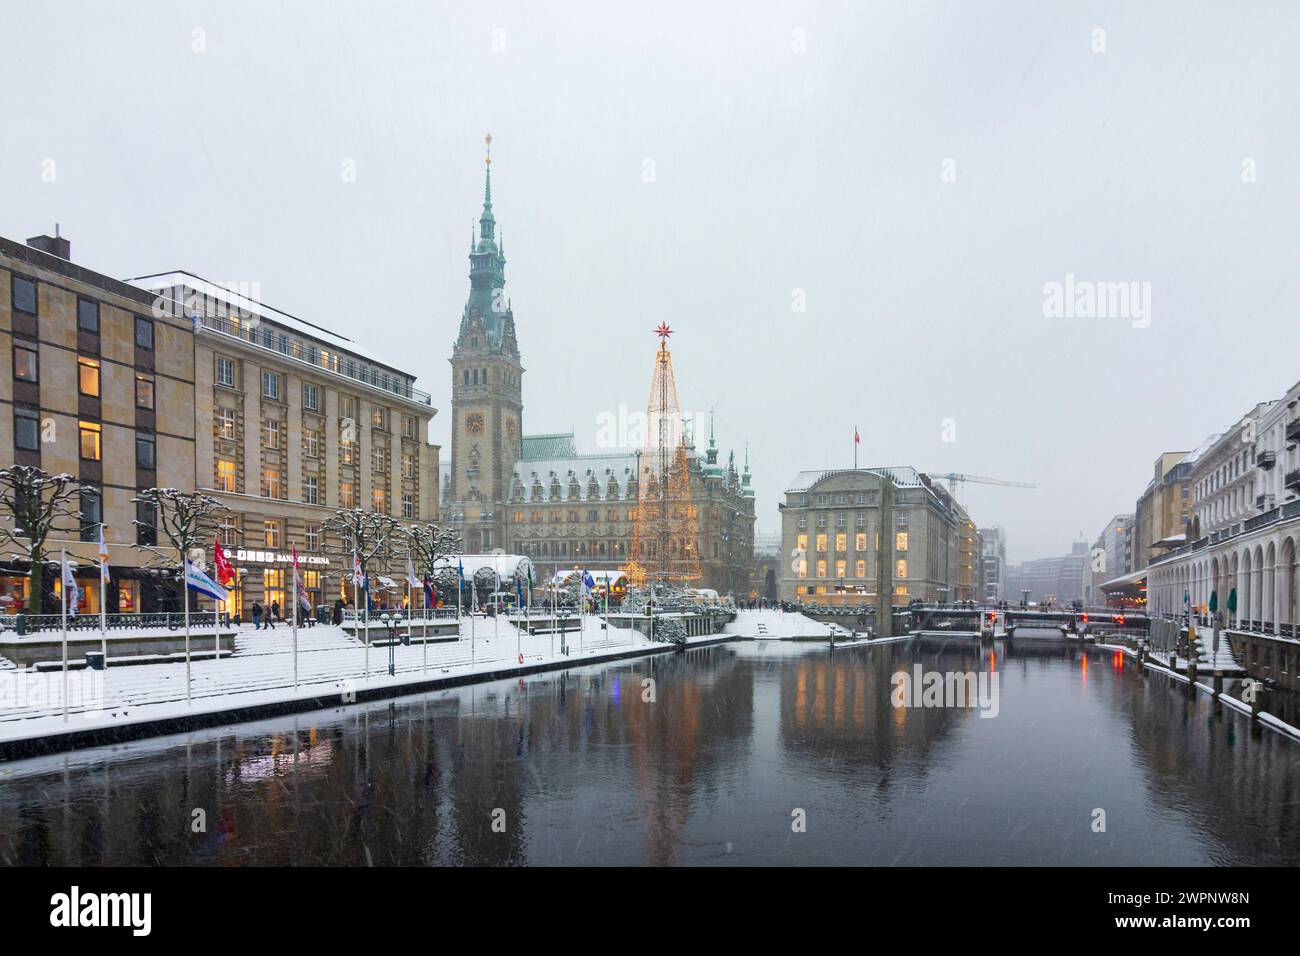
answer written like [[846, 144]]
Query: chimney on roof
[[54, 245]]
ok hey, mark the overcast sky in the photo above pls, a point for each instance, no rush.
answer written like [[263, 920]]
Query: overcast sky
[[791, 146]]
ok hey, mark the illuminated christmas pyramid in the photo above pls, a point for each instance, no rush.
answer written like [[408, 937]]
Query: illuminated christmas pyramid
[[664, 549]]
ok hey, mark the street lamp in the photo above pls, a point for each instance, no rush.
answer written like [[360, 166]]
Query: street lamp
[[392, 623]]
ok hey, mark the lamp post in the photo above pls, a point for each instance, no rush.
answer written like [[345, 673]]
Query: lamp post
[[392, 623]]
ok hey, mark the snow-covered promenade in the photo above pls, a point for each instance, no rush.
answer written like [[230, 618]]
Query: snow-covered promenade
[[334, 669]]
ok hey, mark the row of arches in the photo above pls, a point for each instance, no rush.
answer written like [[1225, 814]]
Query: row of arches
[[1263, 571]]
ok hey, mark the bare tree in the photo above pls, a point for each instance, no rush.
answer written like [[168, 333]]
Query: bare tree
[[367, 534], [32, 502], [429, 544], [185, 519]]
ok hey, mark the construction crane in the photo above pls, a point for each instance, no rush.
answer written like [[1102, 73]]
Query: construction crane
[[956, 478]]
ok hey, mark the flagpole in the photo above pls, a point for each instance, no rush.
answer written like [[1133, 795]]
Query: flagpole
[[496, 598], [63, 610], [185, 594], [103, 611], [295, 619]]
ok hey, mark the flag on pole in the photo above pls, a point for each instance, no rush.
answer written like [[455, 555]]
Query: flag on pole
[[196, 580], [588, 582], [473, 600], [103, 555], [356, 569], [299, 588], [857, 439], [411, 579], [225, 573], [428, 592], [71, 595]]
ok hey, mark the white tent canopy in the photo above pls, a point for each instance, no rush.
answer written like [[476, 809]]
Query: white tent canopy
[[510, 566]]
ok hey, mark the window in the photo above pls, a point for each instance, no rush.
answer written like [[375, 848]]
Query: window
[[821, 542], [378, 459], [841, 542], [24, 295], [27, 429], [860, 541], [348, 452], [225, 371], [88, 316], [225, 475], [801, 542], [311, 442], [88, 376], [408, 506], [821, 569], [270, 483], [409, 427], [902, 519], [900, 541], [90, 449], [26, 367], [145, 451], [310, 397], [144, 391], [408, 465], [310, 490], [271, 532], [226, 423], [271, 385], [271, 432], [802, 569], [900, 569], [143, 333], [228, 531], [146, 523], [273, 585], [313, 537], [841, 569], [92, 513], [379, 417], [860, 569], [379, 501], [841, 521], [347, 494]]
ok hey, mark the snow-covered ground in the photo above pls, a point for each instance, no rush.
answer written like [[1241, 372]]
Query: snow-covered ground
[[261, 672], [776, 625]]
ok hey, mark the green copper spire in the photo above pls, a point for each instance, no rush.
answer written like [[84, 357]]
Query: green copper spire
[[712, 469], [747, 491], [487, 265]]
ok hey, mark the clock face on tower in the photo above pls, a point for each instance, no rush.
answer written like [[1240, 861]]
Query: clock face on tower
[[474, 423]]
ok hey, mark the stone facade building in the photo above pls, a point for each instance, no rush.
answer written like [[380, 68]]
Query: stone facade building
[[831, 526], [534, 494]]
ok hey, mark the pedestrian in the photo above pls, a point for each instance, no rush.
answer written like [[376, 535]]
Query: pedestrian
[[257, 616], [338, 611], [274, 617]]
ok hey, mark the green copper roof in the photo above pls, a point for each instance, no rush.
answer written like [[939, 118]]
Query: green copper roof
[[539, 447]]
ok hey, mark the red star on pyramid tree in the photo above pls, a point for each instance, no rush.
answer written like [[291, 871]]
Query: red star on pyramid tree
[[663, 331]]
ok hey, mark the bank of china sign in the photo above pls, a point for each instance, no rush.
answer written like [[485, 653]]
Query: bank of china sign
[[244, 556]]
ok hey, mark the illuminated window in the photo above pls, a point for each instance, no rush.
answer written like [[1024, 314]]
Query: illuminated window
[[860, 541], [802, 542], [900, 589], [379, 417], [88, 376], [273, 583], [841, 569], [821, 542], [803, 568], [26, 368], [821, 569], [271, 531], [226, 424], [144, 391], [860, 569], [270, 483], [900, 569], [90, 444], [841, 542], [900, 541], [379, 501]]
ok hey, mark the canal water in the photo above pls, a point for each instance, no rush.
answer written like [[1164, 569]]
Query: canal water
[[756, 753]]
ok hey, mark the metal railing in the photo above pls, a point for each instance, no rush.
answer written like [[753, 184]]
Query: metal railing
[[25, 624]]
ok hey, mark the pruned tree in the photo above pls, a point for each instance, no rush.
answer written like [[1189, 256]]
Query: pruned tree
[[184, 519], [32, 503], [429, 544], [367, 534]]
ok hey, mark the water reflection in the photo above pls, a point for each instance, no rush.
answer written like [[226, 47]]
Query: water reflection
[[697, 758]]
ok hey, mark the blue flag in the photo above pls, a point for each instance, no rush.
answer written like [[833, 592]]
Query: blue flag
[[196, 580]]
